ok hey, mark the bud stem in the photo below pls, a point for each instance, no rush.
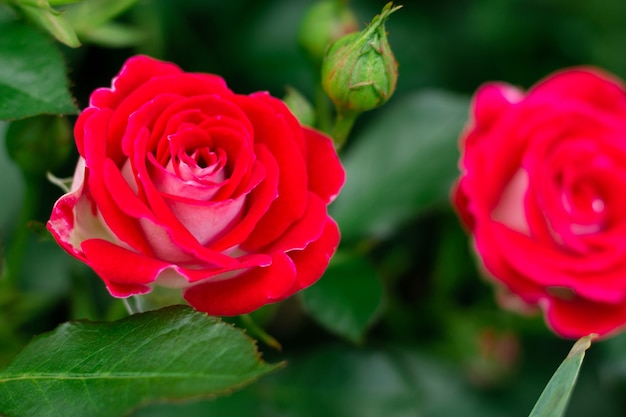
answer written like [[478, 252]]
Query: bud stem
[[133, 305], [359, 73], [323, 110], [157, 298], [342, 127], [258, 332]]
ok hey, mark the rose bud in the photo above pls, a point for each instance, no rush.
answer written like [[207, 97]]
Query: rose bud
[[359, 71], [325, 22], [182, 183], [39, 144], [542, 191]]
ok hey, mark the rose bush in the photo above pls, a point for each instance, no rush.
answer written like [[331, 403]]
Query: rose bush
[[182, 183], [543, 191]]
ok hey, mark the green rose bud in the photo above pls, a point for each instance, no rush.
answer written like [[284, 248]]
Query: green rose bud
[[359, 71], [39, 144], [325, 21]]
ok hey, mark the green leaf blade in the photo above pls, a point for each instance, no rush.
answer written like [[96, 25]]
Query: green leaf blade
[[89, 14], [403, 162], [52, 21], [555, 396], [106, 369], [32, 74], [113, 35], [348, 298]]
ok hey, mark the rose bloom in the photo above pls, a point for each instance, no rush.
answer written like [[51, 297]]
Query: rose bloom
[[543, 192], [184, 184]]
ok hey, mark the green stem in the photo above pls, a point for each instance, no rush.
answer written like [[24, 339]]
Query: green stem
[[341, 129], [133, 305], [322, 110], [258, 332], [157, 298]]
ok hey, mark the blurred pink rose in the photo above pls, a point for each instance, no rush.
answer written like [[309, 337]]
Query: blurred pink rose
[[543, 192]]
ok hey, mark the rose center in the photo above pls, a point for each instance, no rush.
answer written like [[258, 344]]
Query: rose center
[[202, 164], [584, 204], [204, 158]]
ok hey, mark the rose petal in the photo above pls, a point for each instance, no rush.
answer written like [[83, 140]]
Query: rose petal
[[491, 100], [593, 87], [510, 209], [169, 231], [123, 271], [498, 267], [246, 292], [181, 85], [463, 205], [257, 204], [551, 267], [576, 317], [62, 221], [208, 222], [272, 130], [325, 173], [135, 72], [306, 230], [126, 229], [312, 261]]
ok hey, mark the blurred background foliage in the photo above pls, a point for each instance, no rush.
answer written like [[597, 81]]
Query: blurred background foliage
[[402, 324]]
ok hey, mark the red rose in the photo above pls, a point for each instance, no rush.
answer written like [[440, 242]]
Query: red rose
[[183, 183], [543, 191]]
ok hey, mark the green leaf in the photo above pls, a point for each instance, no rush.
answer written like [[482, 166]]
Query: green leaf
[[402, 163], [113, 35], [106, 369], [348, 299], [300, 106], [61, 2], [89, 14], [555, 396], [32, 74], [44, 16]]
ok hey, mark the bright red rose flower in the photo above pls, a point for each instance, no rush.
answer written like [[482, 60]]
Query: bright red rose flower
[[543, 191], [184, 184]]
